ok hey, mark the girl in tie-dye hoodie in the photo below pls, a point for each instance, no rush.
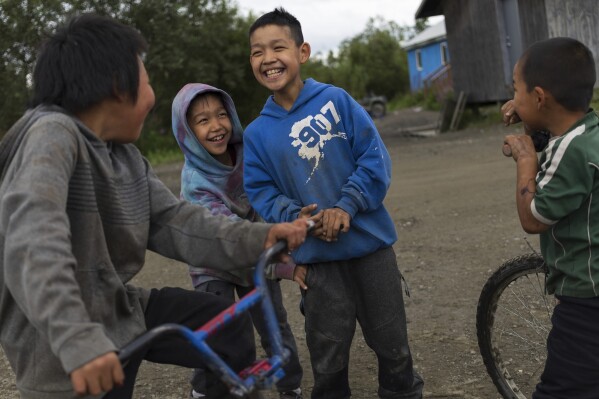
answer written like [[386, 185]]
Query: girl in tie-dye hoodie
[[208, 130]]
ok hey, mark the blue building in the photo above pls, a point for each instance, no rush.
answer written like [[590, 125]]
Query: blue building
[[428, 58]]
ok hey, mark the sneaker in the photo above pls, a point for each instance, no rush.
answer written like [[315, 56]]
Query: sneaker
[[295, 394], [301, 307], [196, 395]]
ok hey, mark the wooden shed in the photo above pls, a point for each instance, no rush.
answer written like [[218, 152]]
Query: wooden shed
[[486, 37]]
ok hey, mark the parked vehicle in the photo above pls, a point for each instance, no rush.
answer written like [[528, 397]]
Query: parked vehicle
[[375, 105]]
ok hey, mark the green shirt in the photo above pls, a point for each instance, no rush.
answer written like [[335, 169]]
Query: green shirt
[[567, 198]]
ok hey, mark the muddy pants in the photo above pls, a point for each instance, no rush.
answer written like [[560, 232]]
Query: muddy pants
[[368, 290]]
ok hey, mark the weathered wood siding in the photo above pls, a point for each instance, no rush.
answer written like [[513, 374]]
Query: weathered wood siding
[[474, 45], [577, 19], [533, 21], [542, 19]]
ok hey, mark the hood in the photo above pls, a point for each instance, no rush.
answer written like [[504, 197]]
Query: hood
[[13, 138], [311, 89], [195, 154]]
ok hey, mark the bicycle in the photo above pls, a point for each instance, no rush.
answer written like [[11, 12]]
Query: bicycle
[[513, 320], [264, 373]]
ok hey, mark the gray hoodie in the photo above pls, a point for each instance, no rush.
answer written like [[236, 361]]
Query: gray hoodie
[[76, 217]]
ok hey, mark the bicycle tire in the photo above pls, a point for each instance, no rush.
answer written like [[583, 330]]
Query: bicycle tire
[[513, 320]]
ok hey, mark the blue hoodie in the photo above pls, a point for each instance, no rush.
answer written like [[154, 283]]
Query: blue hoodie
[[324, 150], [208, 182]]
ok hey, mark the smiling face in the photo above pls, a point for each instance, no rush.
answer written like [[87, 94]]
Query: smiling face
[[276, 58], [208, 119]]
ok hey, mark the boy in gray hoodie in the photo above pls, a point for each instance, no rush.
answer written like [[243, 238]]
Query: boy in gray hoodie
[[79, 206]]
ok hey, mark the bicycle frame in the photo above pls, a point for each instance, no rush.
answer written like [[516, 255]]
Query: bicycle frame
[[263, 373]]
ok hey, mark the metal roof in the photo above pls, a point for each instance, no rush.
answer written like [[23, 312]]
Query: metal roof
[[429, 35]]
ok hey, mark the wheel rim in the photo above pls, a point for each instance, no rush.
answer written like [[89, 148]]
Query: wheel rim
[[520, 325]]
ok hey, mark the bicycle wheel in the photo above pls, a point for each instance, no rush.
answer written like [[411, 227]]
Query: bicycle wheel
[[513, 320]]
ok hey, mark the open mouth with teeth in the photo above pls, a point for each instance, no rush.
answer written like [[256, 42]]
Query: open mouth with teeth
[[217, 139], [273, 73]]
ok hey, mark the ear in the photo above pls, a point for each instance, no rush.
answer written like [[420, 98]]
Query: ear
[[540, 96], [305, 51], [120, 97]]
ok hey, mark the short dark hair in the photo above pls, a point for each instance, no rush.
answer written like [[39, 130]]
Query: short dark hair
[[88, 59], [279, 16], [563, 66]]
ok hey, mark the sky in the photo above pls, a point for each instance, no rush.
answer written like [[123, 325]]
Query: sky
[[326, 23]]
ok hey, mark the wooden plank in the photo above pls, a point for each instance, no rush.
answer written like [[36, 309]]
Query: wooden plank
[[458, 111]]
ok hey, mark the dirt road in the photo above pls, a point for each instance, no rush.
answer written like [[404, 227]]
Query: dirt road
[[452, 199]]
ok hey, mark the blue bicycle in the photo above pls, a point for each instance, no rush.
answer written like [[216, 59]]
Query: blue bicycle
[[264, 373]]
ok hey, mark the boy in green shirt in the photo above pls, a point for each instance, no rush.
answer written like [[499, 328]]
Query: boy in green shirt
[[556, 198]]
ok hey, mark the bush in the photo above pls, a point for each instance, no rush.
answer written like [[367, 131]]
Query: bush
[[419, 99], [159, 146]]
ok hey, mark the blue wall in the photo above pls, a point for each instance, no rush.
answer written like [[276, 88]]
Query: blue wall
[[431, 62]]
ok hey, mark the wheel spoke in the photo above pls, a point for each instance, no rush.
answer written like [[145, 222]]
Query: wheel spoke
[[513, 321]]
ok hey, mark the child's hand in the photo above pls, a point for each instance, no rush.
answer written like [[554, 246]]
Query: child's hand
[[509, 114], [102, 374], [334, 221], [306, 212], [520, 146], [294, 233], [299, 276]]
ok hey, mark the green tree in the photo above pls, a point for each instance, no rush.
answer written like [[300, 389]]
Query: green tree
[[193, 41], [22, 24], [202, 41], [190, 41], [373, 61], [318, 69]]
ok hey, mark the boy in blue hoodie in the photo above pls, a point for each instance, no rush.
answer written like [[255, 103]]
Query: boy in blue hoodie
[[314, 144], [208, 130]]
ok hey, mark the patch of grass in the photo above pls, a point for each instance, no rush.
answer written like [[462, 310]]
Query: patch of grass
[[159, 147], [481, 116], [418, 99], [158, 157]]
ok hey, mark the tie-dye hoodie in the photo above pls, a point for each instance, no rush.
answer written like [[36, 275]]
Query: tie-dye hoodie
[[208, 182]]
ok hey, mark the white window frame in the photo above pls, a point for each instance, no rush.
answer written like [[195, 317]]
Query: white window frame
[[444, 53], [418, 55]]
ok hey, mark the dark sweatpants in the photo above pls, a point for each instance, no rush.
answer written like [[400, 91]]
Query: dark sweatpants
[[368, 290], [572, 366], [192, 309]]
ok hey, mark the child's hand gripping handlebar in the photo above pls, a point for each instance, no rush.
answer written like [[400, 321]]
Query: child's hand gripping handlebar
[[263, 373]]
